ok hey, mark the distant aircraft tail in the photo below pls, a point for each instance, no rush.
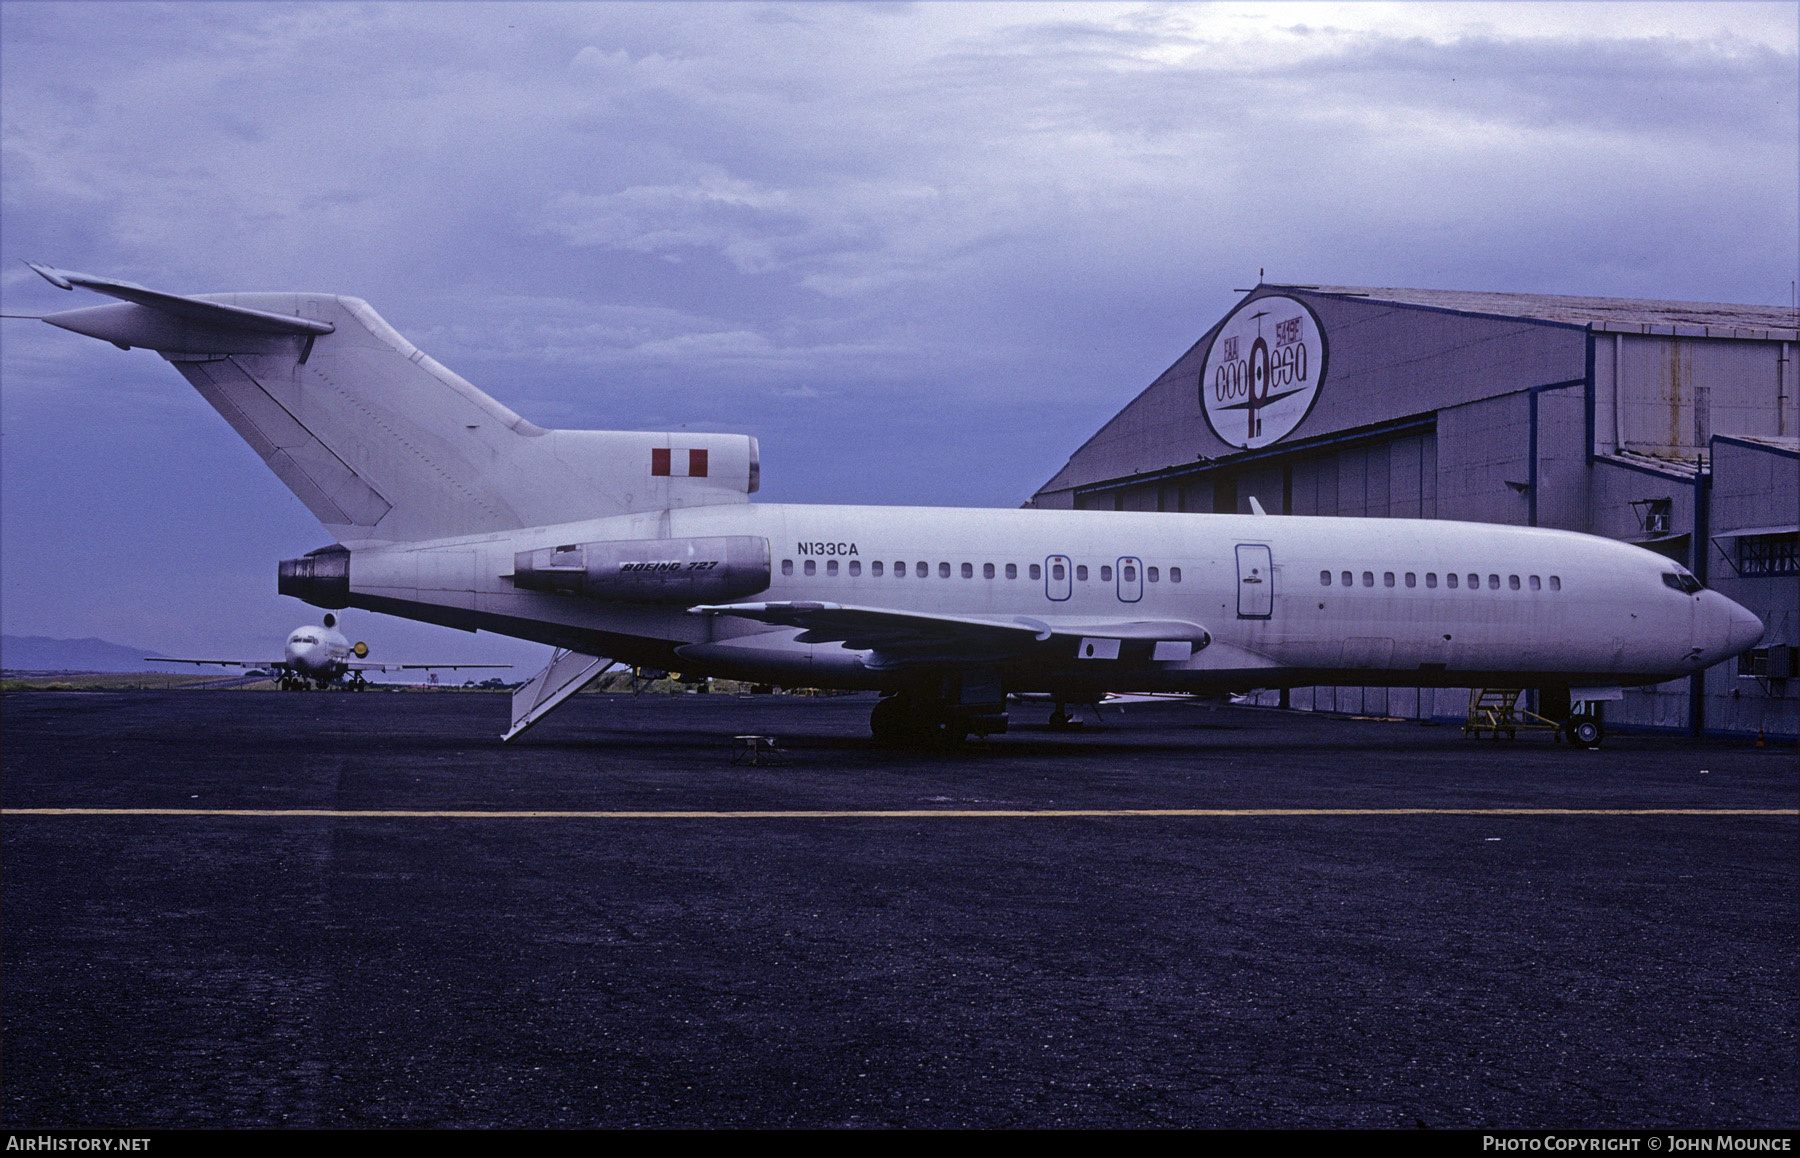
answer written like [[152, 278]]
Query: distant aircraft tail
[[381, 442]]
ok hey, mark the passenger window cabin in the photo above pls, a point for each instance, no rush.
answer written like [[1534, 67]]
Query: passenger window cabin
[[1129, 573]]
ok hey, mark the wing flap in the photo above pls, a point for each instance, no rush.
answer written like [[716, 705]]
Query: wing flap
[[897, 638]]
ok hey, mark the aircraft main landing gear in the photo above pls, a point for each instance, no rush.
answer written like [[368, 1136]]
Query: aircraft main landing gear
[[915, 718]]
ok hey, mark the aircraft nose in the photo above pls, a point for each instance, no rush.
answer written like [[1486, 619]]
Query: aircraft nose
[[1725, 629], [1743, 630]]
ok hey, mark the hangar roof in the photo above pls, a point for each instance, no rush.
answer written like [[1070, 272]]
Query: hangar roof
[[1686, 319]]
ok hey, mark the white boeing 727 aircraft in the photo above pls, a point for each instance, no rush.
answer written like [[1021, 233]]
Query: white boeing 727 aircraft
[[320, 655], [449, 508]]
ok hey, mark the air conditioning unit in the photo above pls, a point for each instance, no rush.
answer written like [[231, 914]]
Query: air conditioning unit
[[1769, 663]]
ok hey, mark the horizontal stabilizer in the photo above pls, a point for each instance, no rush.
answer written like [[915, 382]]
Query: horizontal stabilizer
[[191, 309]]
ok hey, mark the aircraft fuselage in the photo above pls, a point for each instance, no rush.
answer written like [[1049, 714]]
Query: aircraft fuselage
[[317, 653], [1282, 600]]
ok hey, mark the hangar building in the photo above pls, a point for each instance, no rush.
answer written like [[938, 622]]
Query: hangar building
[[1672, 425]]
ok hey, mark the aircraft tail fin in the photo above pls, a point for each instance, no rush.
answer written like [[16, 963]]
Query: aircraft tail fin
[[380, 441]]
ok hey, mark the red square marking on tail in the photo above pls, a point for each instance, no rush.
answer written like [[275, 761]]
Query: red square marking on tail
[[696, 464], [659, 460]]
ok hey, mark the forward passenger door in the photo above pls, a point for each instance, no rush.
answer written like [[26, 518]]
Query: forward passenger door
[[1256, 581]]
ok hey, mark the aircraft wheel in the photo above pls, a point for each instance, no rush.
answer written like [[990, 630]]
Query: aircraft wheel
[[902, 719], [1586, 732], [1060, 719], [909, 719], [887, 723]]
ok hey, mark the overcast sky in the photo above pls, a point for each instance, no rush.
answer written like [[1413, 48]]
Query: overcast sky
[[921, 251]]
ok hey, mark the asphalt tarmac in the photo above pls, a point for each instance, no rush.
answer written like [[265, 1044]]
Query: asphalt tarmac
[[1254, 919]]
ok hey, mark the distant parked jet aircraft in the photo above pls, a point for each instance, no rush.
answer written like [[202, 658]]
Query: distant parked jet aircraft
[[449, 508], [321, 656]]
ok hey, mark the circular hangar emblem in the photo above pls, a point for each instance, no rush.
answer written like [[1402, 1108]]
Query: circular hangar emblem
[[1263, 372]]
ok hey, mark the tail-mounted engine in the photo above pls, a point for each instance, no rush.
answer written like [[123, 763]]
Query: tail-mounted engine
[[321, 578], [649, 570]]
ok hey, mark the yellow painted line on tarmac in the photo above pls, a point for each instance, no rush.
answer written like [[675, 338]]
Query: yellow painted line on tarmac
[[878, 814]]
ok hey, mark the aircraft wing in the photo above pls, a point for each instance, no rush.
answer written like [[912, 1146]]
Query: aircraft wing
[[371, 665], [271, 664], [899, 638]]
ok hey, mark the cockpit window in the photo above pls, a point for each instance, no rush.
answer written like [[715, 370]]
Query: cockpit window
[[1681, 581]]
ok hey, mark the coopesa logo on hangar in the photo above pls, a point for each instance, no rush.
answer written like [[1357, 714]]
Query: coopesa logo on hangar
[[1263, 372]]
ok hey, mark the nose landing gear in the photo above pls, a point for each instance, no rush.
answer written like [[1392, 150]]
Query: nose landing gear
[[1586, 727], [1583, 721]]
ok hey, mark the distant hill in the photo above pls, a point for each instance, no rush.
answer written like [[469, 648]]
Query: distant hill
[[41, 653]]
